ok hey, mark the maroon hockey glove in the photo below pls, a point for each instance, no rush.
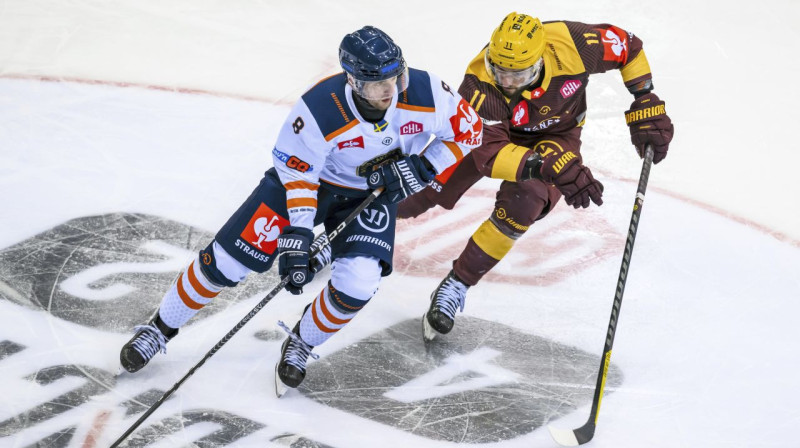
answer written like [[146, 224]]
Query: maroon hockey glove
[[572, 179], [649, 123]]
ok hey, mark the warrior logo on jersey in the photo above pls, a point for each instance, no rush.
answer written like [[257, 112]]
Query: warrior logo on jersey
[[357, 142], [570, 87], [375, 219], [615, 45], [410, 128], [263, 229], [520, 115], [467, 126]]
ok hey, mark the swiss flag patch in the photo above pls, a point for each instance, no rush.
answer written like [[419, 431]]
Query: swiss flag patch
[[357, 142], [615, 44], [263, 229]]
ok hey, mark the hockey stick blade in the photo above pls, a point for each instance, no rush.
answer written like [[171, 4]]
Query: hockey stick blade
[[570, 437]]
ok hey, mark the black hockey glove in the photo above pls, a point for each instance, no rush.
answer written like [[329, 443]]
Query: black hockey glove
[[294, 246], [401, 178]]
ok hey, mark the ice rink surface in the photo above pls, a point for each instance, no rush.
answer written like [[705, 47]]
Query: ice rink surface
[[129, 131]]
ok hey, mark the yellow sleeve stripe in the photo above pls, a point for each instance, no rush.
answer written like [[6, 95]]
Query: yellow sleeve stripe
[[507, 163], [635, 68], [492, 241]]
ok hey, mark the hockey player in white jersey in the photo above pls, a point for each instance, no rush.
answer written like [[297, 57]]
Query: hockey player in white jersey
[[350, 133]]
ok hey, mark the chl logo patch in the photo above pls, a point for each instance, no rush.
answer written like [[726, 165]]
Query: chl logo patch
[[410, 128], [357, 142], [263, 229], [570, 87]]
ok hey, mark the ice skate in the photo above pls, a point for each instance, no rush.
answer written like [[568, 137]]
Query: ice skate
[[143, 346], [291, 369], [445, 300]]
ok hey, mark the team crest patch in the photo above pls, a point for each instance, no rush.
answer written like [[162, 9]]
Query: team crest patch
[[520, 115], [615, 44], [263, 229], [357, 142], [467, 126]]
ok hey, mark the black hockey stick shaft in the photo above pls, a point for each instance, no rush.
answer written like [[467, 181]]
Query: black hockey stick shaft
[[364, 204], [586, 432]]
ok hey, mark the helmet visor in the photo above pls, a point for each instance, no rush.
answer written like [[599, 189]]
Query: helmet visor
[[514, 79], [380, 90]]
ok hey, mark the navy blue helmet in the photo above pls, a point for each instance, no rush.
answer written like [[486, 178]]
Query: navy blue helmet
[[369, 54]]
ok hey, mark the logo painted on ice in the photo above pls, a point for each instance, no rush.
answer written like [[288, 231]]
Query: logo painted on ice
[[570, 87], [520, 116], [410, 128], [375, 221], [263, 229], [357, 142]]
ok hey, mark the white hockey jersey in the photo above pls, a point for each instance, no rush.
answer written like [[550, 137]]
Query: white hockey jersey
[[325, 140]]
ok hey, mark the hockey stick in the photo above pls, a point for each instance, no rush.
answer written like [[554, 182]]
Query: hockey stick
[[567, 437], [364, 204]]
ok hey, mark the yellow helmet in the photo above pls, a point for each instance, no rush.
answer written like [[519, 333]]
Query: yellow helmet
[[517, 43]]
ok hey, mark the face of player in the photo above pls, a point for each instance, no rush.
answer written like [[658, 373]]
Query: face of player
[[511, 81], [379, 94]]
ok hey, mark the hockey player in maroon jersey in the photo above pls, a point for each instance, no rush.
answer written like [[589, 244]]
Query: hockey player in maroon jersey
[[528, 85]]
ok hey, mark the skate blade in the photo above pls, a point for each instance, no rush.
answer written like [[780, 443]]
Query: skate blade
[[280, 388], [428, 333]]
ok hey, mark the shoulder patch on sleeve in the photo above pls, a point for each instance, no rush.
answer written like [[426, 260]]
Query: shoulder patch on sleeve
[[328, 105], [418, 96]]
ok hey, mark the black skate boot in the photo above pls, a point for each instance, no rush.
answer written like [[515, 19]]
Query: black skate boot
[[148, 340], [291, 369], [445, 300]]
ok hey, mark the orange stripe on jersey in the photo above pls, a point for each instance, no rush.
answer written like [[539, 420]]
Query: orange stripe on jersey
[[199, 286], [455, 149], [185, 297], [321, 327], [327, 313], [301, 185], [341, 130], [325, 79], [301, 202], [415, 108]]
